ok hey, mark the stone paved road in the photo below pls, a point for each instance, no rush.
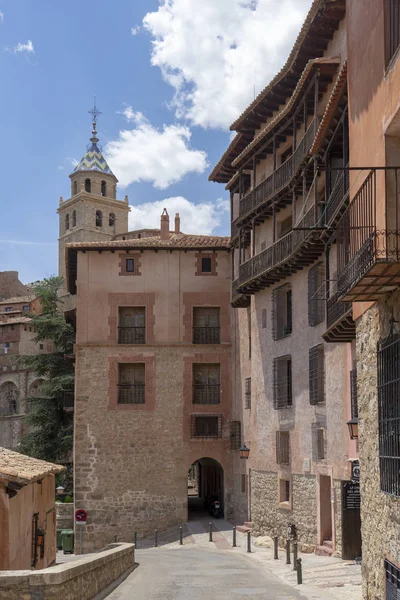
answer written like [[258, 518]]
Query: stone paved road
[[198, 573]]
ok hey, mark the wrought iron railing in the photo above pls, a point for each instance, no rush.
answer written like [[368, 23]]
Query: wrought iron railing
[[206, 426], [206, 335], [206, 393], [338, 196], [131, 394], [131, 335], [335, 309], [353, 394], [281, 177]]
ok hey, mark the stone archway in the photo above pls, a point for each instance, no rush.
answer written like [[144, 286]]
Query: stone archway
[[9, 399], [34, 392], [205, 480]]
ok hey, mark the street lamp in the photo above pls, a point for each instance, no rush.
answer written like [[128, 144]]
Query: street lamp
[[353, 428], [244, 451], [60, 490]]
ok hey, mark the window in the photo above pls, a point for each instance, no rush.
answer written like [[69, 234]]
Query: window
[[206, 329], [132, 325], [130, 265], [392, 29], [206, 426], [74, 218], [206, 265], [103, 188], [282, 447], [285, 227], [99, 218], [41, 346], [88, 186], [392, 581], [318, 442], [389, 413], [8, 309], [264, 318], [25, 307], [75, 188], [66, 222], [111, 219], [284, 491], [235, 435], [247, 392], [281, 312], [7, 345], [316, 374], [249, 328], [131, 383], [353, 394], [206, 384], [243, 483], [282, 382], [316, 295]]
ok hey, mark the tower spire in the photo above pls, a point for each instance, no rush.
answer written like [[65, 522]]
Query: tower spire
[[95, 113]]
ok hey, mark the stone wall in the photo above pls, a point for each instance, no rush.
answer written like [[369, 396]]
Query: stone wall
[[338, 516], [380, 522], [81, 579], [65, 515], [270, 518]]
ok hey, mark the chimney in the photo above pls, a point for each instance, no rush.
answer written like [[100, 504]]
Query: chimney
[[164, 228], [177, 223]]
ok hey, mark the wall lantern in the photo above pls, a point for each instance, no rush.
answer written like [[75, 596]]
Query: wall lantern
[[244, 451], [353, 428], [60, 490]]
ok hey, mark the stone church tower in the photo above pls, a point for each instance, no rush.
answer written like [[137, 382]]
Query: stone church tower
[[92, 213]]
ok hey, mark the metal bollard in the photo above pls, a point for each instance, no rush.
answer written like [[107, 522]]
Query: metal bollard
[[248, 541], [135, 539], [288, 551], [115, 539], [234, 537], [155, 538], [180, 536], [210, 532], [299, 572], [276, 548], [294, 556]]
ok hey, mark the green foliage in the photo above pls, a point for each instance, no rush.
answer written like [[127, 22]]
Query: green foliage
[[49, 436]]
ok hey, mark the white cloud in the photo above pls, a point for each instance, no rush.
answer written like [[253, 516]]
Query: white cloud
[[201, 218], [1, 17], [27, 243], [214, 52], [60, 168], [73, 161], [145, 153], [135, 30], [28, 48]]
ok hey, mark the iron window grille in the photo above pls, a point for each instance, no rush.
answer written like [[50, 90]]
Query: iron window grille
[[235, 435], [316, 295], [206, 384], [131, 386], [389, 413], [287, 491], [206, 328], [247, 392], [392, 29], [132, 325], [206, 426], [282, 447], [392, 576], [282, 368], [317, 374], [353, 394], [284, 490], [281, 312], [318, 442]]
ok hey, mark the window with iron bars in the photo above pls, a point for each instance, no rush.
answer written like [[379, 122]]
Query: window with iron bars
[[392, 29], [318, 442], [282, 382], [247, 392], [235, 434], [316, 374], [281, 312], [353, 394], [131, 386], [206, 328], [206, 426], [316, 295], [392, 576], [282, 447], [206, 384], [389, 413], [132, 325]]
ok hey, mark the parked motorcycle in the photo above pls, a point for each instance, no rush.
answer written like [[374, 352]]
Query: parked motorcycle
[[216, 509]]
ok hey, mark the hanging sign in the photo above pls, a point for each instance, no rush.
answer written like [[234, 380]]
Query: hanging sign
[[351, 496]]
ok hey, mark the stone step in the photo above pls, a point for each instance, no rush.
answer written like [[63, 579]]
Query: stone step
[[243, 528], [323, 551], [328, 544], [248, 524]]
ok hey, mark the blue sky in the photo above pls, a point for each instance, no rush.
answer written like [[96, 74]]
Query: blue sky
[[169, 78]]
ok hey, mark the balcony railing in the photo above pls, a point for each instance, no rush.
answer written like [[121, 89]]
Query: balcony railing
[[353, 394], [206, 393], [368, 256], [267, 189], [131, 335], [206, 335], [335, 309], [339, 320], [337, 198], [238, 300], [131, 394]]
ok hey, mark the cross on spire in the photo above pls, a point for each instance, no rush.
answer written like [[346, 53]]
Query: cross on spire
[[95, 113]]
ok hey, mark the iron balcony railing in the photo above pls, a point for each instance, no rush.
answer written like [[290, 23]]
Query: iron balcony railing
[[279, 252], [337, 198], [280, 178], [206, 393], [131, 394], [353, 394], [335, 309], [131, 335], [206, 335]]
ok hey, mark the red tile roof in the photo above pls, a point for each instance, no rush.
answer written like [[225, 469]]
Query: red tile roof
[[176, 240]]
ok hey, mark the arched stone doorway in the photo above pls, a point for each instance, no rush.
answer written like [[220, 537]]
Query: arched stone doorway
[[205, 480], [9, 399]]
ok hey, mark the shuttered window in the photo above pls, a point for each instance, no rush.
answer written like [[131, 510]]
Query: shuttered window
[[282, 368], [317, 374], [281, 312], [316, 295], [282, 447]]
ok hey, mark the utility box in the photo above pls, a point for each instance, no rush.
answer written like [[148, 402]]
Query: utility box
[[59, 541], [67, 541]]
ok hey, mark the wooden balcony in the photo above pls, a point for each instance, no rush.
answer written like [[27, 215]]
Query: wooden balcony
[[369, 257], [262, 195], [238, 300], [339, 321], [296, 250]]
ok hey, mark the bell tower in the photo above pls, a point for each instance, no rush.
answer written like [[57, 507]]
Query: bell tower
[[92, 213]]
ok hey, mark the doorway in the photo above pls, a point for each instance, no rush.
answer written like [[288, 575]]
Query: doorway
[[325, 509], [205, 480]]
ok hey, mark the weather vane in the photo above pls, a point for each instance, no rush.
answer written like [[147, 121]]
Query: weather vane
[[95, 113]]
